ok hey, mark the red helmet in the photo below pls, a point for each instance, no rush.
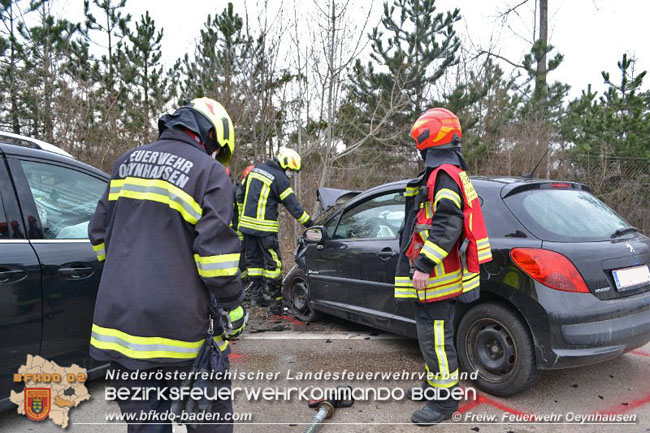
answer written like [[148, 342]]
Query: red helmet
[[435, 128]]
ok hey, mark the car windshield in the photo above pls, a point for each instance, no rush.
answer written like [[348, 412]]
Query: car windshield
[[377, 218], [565, 215]]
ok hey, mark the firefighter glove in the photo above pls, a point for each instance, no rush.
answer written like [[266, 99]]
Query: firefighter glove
[[238, 319]]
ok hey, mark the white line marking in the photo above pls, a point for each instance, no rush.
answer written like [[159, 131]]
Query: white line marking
[[319, 336]]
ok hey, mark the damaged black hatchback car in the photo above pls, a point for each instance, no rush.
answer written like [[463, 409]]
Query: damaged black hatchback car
[[569, 284]]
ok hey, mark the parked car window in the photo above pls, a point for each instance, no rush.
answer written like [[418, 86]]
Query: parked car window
[[565, 215], [65, 199], [377, 218]]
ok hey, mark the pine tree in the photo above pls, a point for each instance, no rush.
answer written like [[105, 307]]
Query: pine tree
[[146, 78], [105, 21], [615, 123], [236, 69], [485, 103], [415, 46], [12, 15], [114, 25], [46, 45]]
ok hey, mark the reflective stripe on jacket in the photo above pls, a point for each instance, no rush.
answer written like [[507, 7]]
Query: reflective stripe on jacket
[[163, 230]]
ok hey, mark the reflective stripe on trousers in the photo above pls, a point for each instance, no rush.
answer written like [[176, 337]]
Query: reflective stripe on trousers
[[434, 322]]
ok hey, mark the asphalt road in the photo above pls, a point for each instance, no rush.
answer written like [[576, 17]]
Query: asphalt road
[[621, 386]]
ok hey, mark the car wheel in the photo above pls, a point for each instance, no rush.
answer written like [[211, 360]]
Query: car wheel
[[494, 341], [298, 298]]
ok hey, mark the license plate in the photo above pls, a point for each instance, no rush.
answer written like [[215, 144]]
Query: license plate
[[631, 277]]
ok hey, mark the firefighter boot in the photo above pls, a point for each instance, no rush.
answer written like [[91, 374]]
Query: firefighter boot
[[432, 413], [257, 293], [273, 294]]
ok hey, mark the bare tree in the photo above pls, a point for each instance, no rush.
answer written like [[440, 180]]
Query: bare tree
[[340, 42]]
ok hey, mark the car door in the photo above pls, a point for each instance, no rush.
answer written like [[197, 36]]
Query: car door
[[354, 269], [21, 298], [57, 201]]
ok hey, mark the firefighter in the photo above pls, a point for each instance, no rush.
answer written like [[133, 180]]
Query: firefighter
[[442, 243], [266, 186], [170, 257]]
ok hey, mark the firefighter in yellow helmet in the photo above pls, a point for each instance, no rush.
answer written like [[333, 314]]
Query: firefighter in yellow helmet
[[170, 293], [266, 186]]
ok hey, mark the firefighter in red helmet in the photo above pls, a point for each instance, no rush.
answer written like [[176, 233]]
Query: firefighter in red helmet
[[441, 246]]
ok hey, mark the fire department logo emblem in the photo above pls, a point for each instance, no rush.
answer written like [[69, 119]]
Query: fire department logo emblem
[[37, 403]]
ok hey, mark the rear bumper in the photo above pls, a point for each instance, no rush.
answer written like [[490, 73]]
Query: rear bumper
[[604, 331], [583, 329]]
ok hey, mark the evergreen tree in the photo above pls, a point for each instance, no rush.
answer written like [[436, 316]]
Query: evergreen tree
[[544, 101], [46, 46], [113, 24], [415, 46], [615, 123], [12, 15], [235, 68], [147, 81], [485, 104]]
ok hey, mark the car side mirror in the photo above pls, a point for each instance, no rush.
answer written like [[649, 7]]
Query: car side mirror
[[315, 235]]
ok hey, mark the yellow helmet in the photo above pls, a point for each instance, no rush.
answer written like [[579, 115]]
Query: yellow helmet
[[289, 159], [223, 127]]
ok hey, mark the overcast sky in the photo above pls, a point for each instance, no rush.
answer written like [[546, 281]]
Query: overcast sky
[[592, 34]]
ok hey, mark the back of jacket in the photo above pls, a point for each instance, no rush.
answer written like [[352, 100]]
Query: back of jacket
[[266, 186], [163, 228]]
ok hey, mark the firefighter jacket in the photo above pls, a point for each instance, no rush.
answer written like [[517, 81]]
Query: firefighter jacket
[[163, 229], [444, 235], [266, 186]]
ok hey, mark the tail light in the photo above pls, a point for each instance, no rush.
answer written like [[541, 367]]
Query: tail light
[[549, 268]]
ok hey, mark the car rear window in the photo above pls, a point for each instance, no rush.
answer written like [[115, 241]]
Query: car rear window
[[565, 215]]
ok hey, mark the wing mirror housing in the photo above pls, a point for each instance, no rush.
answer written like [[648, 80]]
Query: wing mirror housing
[[315, 235]]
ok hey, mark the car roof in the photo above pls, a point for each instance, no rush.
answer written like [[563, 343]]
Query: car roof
[[34, 143], [504, 183], [12, 149]]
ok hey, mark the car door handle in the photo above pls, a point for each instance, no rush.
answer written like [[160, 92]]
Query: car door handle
[[76, 271], [386, 254], [11, 275]]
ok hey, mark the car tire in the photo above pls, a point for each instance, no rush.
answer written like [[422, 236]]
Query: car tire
[[297, 297], [496, 342]]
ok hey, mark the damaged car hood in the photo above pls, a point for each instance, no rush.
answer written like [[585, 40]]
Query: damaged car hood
[[331, 197]]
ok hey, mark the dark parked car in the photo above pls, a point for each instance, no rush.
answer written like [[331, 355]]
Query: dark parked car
[[49, 273], [569, 284]]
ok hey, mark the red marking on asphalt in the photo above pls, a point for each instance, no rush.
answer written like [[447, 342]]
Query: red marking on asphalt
[[469, 405], [501, 406], [234, 357], [482, 399], [634, 404], [638, 352], [289, 319]]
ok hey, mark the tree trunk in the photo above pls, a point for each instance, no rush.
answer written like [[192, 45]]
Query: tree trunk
[[540, 82], [13, 91]]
